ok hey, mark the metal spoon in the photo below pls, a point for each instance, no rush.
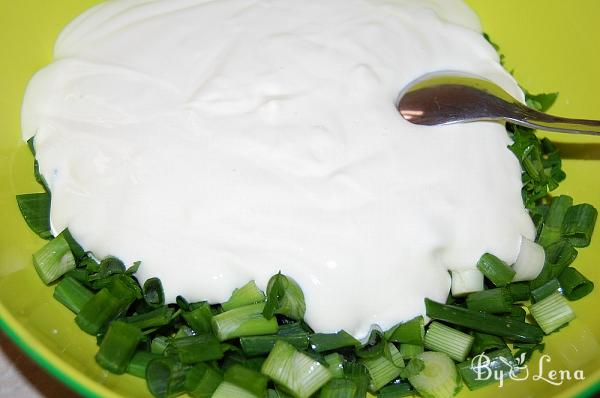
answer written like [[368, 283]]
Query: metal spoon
[[449, 98]]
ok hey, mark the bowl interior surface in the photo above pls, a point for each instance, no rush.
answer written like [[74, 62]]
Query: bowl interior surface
[[550, 45]]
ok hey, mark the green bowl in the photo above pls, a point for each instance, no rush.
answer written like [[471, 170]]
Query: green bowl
[[552, 45]]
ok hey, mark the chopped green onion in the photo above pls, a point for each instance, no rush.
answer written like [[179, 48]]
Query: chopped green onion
[[138, 364], [374, 347], [54, 259], [450, 341], [90, 264], [243, 321], [358, 373], [277, 394], [108, 266], [248, 379], [182, 303], [80, 275], [578, 224], [134, 268], [321, 342], [258, 345], [285, 297], [546, 290], [519, 291], [466, 281], [199, 318], [38, 176], [540, 102], [383, 370], [484, 322], [526, 350], [184, 331], [494, 301], [230, 390], [159, 344], [538, 176], [166, 377], [552, 312], [76, 248], [527, 148], [31, 145], [396, 391], [530, 261], [560, 255], [409, 351], [72, 294], [153, 292], [35, 209], [574, 284], [411, 332], [202, 380], [158, 317], [100, 310], [335, 364], [517, 312], [339, 388], [488, 368], [551, 229], [245, 295], [413, 368], [495, 270], [118, 346], [233, 356], [293, 329], [392, 353], [439, 378], [297, 372], [124, 286], [544, 277], [199, 348], [486, 342]]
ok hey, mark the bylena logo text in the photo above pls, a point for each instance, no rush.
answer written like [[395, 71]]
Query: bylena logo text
[[518, 370]]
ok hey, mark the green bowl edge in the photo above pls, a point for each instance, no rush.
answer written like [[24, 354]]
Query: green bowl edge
[[40, 359]]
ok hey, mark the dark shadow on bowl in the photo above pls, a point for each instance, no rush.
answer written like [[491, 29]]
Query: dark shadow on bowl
[[578, 150], [45, 384]]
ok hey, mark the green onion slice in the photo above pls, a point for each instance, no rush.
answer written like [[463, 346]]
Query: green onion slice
[[243, 321], [552, 312], [578, 224], [495, 270], [245, 295], [483, 322], [297, 372], [439, 377], [54, 259], [35, 209], [285, 297], [411, 332], [450, 341], [574, 284], [494, 301], [72, 294], [118, 347]]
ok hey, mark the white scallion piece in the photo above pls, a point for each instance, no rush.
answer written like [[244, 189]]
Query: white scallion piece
[[530, 261], [466, 281]]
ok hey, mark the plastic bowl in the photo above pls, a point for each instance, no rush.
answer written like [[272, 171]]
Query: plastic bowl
[[551, 45]]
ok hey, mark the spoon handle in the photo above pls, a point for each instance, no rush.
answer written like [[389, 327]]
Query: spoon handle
[[528, 117]]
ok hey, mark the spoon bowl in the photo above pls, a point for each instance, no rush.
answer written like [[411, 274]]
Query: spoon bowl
[[457, 98]]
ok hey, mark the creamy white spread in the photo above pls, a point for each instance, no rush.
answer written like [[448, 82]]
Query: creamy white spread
[[222, 141]]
